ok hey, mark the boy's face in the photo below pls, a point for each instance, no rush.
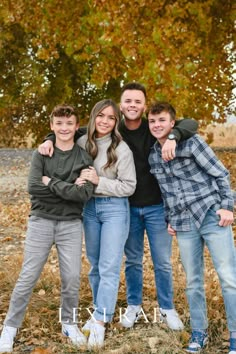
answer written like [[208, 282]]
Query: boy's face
[[160, 125], [64, 128], [133, 104]]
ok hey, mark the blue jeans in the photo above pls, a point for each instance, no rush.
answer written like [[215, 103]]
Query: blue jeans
[[220, 243], [41, 235], [106, 226], [151, 219]]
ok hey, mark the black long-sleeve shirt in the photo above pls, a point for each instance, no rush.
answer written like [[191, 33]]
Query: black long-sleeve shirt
[[140, 142]]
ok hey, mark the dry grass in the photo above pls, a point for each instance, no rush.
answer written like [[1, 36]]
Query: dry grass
[[221, 135], [41, 327]]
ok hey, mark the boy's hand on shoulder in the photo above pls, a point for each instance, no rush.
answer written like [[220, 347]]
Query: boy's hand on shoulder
[[168, 150], [46, 148], [226, 217]]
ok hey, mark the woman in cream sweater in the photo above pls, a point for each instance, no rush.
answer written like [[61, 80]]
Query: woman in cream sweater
[[106, 215]]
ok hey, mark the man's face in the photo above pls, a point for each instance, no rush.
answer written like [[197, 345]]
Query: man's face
[[160, 125], [133, 104]]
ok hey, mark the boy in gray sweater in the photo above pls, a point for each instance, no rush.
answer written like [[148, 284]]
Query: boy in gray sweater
[[57, 200]]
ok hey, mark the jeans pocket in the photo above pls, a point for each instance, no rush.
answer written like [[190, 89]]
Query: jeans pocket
[[212, 211]]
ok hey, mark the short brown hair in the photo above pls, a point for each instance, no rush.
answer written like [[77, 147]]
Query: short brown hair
[[64, 110], [158, 107]]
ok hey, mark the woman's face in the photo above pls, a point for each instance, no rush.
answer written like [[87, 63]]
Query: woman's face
[[105, 122]]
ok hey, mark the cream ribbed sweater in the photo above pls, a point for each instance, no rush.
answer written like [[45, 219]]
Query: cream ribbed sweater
[[118, 180]]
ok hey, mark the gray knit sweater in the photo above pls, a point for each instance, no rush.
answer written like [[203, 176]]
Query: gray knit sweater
[[118, 180]]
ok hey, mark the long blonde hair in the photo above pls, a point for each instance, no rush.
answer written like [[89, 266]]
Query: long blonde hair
[[91, 145]]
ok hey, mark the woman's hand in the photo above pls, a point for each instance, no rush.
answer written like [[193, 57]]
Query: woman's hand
[[80, 181], [90, 174]]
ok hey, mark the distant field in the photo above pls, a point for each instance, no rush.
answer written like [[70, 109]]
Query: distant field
[[220, 135]]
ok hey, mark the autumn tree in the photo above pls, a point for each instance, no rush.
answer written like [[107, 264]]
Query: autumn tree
[[79, 52]]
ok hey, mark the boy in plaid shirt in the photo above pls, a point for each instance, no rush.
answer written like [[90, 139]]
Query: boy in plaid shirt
[[199, 210]]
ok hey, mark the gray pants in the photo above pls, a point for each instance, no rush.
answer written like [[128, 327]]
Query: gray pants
[[41, 235]]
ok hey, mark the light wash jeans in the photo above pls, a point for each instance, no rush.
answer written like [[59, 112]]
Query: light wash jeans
[[151, 219], [106, 226], [41, 235], [220, 243]]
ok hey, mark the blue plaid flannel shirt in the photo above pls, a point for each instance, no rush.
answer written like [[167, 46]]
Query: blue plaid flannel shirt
[[191, 183]]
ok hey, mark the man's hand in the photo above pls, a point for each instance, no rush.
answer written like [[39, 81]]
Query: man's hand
[[171, 231], [226, 217], [46, 148], [168, 150], [90, 174]]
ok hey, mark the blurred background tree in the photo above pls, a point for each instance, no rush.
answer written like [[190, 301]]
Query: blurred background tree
[[54, 51]]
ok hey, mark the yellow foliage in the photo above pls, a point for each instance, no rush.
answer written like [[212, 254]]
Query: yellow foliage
[[53, 52]]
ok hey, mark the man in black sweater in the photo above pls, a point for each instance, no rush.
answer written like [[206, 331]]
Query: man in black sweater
[[146, 209]]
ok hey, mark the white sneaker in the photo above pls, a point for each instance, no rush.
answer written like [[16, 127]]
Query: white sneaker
[[131, 315], [171, 318], [97, 334], [86, 328], [73, 332], [7, 339]]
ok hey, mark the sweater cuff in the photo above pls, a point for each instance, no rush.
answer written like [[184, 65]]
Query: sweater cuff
[[177, 134], [99, 189]]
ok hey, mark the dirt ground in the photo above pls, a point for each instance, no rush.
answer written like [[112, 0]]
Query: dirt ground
[[14, 169]]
